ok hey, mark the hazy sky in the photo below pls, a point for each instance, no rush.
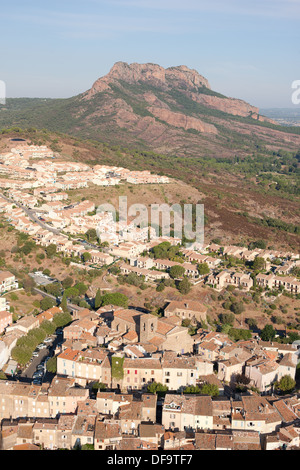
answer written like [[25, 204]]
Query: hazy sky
[[248, 49]]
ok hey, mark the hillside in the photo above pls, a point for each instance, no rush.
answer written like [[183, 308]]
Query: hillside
[[245, 199], [170, 111]]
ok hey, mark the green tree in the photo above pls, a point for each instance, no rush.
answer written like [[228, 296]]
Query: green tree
[[62, 319], [99, 386], [115, 298], [237, 308], [38, 334], [86, 256], [237, 334], [184, 286], [64, 303], [252, 323], [286, 384], [227, 318], [203, 269], [209, 389], [91, 235], [51, 250], [87, 447], [98, 299], [53, 289], [161, 286], [81, 287], [71, 292], [157, 388], [258, 264], [67, 282], [47, 303], [48, 327], [114, 269], [2, 375], [51, 365], [21, 354], [268, 333], [258, 244], [191, 389], [176, 272]]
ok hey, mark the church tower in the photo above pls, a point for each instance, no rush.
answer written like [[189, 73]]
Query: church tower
[[148, 327]]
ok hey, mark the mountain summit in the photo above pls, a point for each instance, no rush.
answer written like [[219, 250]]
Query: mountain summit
[[151, 74], [169, 111]]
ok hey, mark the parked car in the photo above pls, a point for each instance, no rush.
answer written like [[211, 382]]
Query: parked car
[[48, 340], [37, 375], [37, 382]]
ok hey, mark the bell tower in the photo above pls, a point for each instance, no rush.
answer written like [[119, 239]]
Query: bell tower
[[148, 327]]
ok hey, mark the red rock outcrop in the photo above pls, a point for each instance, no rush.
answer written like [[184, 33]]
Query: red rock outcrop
[[149, 73], [181, 120]]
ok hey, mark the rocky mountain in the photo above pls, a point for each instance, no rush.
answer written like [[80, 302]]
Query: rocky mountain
[[169, 111], [189, 82]]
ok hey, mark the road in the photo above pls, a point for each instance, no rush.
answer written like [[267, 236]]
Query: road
[[43, 353], [32, 216], [45, 294]]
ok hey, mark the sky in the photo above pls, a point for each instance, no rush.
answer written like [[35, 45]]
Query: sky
[[247, 49]]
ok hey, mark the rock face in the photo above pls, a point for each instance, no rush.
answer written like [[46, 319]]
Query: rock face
[[170, 110], [151, 74], [181, 120], [187, 80], [227, 105]]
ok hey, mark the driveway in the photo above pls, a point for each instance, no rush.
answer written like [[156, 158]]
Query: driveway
[[43, 353]]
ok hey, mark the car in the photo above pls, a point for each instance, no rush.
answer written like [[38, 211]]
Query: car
[[37, 382], [48, 340], [35, 354], [40, 367], [37, 375]]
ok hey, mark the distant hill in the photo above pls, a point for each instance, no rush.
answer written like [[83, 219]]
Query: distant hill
[[284, 116], [169, 111]]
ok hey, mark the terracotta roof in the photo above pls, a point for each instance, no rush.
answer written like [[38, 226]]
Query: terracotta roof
[[205, 441]]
